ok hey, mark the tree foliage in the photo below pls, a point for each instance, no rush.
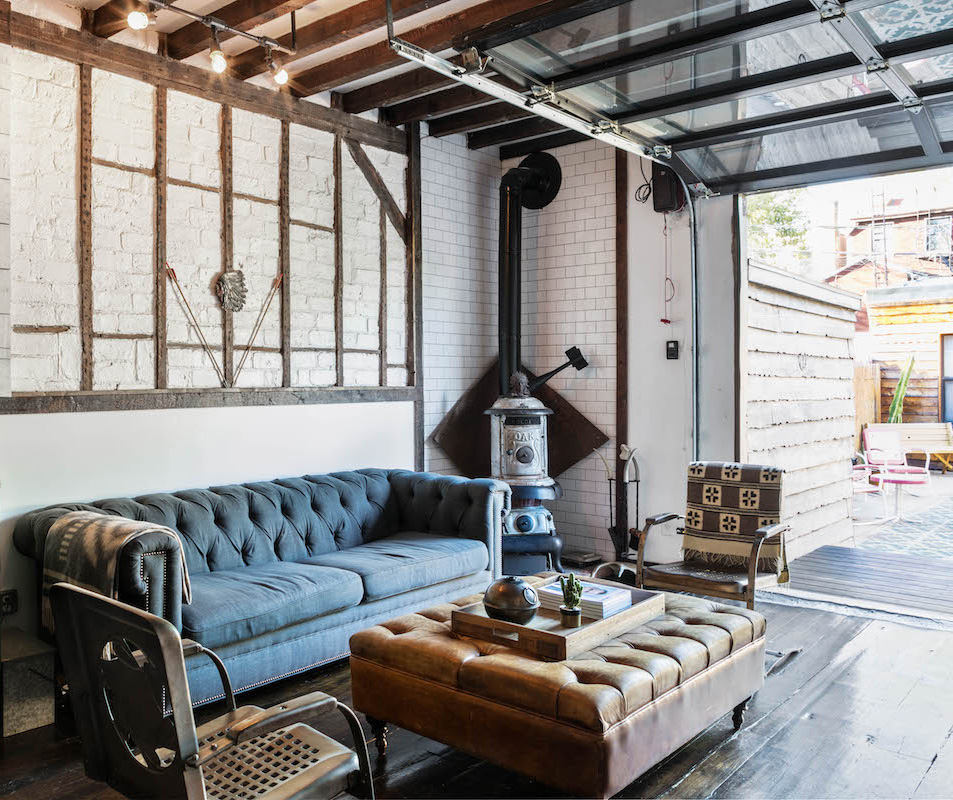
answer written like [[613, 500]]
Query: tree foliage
[[777, 229]]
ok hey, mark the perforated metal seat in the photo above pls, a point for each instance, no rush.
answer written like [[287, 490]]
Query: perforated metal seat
[[130, 696]]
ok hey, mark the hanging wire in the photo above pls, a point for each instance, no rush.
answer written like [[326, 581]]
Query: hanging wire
[[644, 192]]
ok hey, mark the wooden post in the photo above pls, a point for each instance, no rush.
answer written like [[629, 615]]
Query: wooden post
[[621, 339], [284, 248], [84, 224], [338, 263], [160, 336], [228, 239], [415, 316], [382, 312]]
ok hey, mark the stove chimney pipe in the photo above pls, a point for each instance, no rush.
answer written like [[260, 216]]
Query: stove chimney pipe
[[533, 184]]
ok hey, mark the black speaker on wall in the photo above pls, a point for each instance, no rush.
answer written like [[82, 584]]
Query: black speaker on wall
[[667, 193]]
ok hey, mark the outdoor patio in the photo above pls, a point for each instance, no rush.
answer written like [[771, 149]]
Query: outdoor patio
[[928, 534]]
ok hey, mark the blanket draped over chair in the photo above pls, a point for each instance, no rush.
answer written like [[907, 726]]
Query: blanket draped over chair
[[83, 548], [728, 499]]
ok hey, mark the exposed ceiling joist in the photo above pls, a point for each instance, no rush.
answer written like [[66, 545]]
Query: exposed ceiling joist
[[543, 143], [448, 101], [361, 18], [110, 18], [512, 132], [242, 14], [477, 118], [398, 89], [435, 36]]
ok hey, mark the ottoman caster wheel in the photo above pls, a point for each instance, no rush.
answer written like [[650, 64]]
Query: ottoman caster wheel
[[738, 715], [379, 731]]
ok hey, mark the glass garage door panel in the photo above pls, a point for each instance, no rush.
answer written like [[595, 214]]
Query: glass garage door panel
[[927, 70], [833, 140], [615, 30], [904, 19], [728, 63], [943, 118], [812, 94]]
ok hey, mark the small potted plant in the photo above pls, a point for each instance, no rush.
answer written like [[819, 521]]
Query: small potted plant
[[569, 612]]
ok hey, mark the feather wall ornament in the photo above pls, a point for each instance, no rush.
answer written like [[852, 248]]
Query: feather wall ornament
[[230, 289]]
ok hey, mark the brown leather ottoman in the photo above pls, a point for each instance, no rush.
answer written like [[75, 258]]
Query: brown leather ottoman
[[588, 726]]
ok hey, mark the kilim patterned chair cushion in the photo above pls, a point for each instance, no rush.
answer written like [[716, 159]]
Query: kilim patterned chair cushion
[[726, 499]]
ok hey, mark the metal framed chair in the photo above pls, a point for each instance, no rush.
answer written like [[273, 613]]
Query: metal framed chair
[[127, 682], [733, 537]]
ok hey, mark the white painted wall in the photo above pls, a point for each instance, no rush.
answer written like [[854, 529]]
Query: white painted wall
[[460, 194], [51, 458]]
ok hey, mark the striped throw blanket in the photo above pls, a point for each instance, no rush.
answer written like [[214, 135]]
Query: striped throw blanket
[[726, 499], [83, 548]]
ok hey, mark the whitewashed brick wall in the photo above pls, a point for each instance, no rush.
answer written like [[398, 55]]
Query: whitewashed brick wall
[[44, 268], [460, 221], [569, 299], [4, 220]]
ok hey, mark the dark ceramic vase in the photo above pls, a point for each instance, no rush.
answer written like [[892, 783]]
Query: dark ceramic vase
[[511, 599]]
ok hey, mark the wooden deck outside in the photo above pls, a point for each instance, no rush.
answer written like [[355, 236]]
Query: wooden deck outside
[[920, 584], [865, 711]]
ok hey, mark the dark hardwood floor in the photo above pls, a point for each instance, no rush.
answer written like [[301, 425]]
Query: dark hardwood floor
[[865, 711]]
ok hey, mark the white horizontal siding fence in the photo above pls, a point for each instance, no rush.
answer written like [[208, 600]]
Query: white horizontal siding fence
[[798, 370]]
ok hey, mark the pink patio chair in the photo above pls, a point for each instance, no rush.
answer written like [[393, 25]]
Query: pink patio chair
[[884, 450]]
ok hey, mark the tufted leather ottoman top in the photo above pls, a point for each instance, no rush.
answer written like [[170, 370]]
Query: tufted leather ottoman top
[[594, 690]]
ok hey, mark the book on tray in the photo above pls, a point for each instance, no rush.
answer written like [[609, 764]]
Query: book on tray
[[598, 601]]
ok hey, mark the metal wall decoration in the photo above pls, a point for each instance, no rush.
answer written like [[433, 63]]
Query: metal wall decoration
[[230, 289]]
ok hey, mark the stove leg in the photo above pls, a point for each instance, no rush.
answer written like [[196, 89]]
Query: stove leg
[[556, 553]]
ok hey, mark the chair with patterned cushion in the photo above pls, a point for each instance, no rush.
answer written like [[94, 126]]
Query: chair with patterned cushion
[[130, 698], [733, 536]]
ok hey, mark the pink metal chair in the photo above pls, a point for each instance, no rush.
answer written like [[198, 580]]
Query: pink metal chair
[[865, 483], [884, 450]]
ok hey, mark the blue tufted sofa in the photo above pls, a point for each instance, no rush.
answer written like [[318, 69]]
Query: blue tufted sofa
[[283, 572]]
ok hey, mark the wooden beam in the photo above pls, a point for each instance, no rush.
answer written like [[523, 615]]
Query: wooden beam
[[84, 224], [542, 143], [129, 400], [414, 281], [338, 263], [242, 14], [456, 98], [284, 248], [160, 323], [514, 132], [434, 36], [110, 18], [382, 307], [40, 36], [376, 182], [405, 86], [228, 239], [477, 119], [332, 30]]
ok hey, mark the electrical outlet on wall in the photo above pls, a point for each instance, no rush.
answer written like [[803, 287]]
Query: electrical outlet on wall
[[9, 602]]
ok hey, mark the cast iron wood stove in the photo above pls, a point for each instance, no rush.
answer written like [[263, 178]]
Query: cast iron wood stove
[[519, 448]]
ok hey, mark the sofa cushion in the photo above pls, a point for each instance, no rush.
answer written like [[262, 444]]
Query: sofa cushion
[[237, 604], [408, 561]]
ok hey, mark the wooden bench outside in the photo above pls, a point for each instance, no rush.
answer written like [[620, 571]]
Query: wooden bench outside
[[934, 439]]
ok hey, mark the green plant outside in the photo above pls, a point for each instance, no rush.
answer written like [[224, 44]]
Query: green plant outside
[[895, 415]]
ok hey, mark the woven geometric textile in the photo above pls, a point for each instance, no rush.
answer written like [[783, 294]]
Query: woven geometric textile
[[727, 499]]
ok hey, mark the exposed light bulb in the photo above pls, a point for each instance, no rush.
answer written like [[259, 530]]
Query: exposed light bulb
[[280, 74], [138, 20], [218, 61]]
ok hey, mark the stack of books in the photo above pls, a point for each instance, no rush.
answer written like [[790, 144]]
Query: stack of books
[[598, 601]]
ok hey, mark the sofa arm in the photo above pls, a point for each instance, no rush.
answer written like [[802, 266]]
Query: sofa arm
[[445, 504], [148, 572]]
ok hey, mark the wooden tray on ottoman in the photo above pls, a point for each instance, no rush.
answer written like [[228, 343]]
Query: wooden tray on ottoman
[[544, 635]]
